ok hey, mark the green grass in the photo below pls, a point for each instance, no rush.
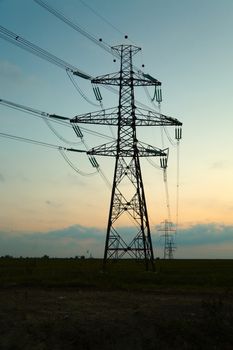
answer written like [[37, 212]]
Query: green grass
[[124, 274]]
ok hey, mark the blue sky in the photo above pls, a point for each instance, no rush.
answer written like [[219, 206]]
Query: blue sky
[[187, 46]]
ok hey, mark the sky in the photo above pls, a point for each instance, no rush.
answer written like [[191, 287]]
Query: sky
[[46, 206]]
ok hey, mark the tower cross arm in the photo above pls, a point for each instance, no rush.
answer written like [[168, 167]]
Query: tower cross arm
[[103, 117], [152, 118], [145, 150], [138, 78], [142, 79], [108, 149], [107, 79], [142, 149]]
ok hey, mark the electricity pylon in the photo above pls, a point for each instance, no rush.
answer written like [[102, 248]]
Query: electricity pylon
[[128, 195], [169, 244]]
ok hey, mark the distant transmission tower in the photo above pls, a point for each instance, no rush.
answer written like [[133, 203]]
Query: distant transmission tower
[[128, 196], [169, 244]]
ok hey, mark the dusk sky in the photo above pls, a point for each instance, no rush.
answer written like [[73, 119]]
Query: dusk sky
[[46, 207]]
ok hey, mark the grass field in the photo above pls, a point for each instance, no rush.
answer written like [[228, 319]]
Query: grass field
[[71, 304], [125, 274]]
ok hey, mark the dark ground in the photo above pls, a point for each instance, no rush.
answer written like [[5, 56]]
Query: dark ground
[[35, 318], [99, 316]]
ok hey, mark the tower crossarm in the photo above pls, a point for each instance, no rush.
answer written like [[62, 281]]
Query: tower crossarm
[[151, 118], [143, 150], [107, 79], [110, 117], [138, 78], [102, 117], [108, 149]]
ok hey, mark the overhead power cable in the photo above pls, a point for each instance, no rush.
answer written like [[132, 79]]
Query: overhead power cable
[[167, 194], [48, 123], [156, 166], [78, 88], [75, 26], [162, 128], [100, 16], [32, 48], [27, 45], [36, 50], [43, 115], [51, 118], [168, 136], [98, 41], [40, 143], [46, 117], [62, 151], [71, 164], [177, 184]]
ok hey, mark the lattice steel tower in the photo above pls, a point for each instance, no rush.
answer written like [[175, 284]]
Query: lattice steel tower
[[128, 196], [169, 244]]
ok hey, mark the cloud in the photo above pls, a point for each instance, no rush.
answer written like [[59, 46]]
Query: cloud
[[13, 74], [196, 241], [53, 204], [10, 72], [67, 242], [2, 179], [219, 165], [201, 241], [206, 234]]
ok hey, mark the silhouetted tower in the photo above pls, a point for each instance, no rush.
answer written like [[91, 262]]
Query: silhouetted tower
[[128, 195], [169, 244]]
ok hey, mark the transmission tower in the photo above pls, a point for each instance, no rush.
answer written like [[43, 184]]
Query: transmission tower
[[169, 244], [128, 196]]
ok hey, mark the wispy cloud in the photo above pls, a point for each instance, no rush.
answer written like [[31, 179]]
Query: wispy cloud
[[14, 75], [53, 204], [70, 241], [211, 240], [206, 234], [220, 164], [2, 178], [10, 72]]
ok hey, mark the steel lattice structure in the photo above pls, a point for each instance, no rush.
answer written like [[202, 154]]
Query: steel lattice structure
[[169, 244], [128, 195]]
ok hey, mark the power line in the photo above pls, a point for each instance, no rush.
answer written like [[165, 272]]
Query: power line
[[40, 143], [102, 18], [69, 69], [36, 50], [45, 116], [15, 39], [32, 48], [75, 26], [105, 46], [177, 184], [50, 118], [48, 123], [79, 90], [62, 151], [71, 164]]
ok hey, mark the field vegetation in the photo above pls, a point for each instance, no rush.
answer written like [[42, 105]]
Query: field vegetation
[[124, 274], [48, 303]]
